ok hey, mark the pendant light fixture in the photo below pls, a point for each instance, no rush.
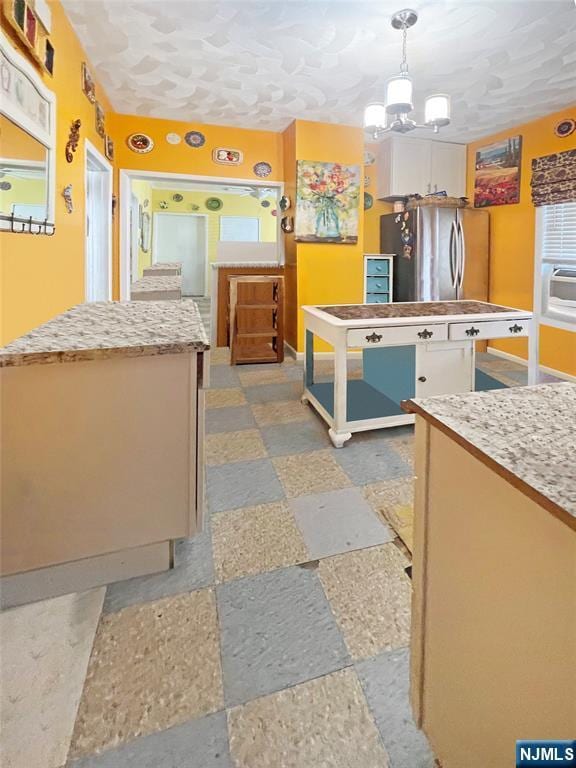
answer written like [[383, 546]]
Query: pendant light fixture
[[392, 115]]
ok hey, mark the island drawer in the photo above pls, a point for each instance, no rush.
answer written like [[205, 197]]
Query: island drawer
[[398, 334], [492, 329]]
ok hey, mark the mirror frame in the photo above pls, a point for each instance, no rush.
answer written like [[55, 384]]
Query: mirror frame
[[20, 117]]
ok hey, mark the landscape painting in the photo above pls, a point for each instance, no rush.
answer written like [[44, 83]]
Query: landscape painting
[[497, 178], [327, 199]]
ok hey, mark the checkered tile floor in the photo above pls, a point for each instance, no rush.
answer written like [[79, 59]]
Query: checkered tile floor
[[280, 640]]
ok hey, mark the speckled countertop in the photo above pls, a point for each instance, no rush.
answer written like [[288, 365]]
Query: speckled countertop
[[528, 431], [157, 283], [412, 309], [158, 266], [111, 329], [254, 264]]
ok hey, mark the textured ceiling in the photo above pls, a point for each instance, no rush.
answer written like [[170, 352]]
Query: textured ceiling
[[256, 64]]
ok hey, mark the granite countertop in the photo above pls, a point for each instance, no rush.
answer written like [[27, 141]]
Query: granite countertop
[[530, 432], [158, 265], [243, 264], [159, 283], [412, 309], [111, 329]]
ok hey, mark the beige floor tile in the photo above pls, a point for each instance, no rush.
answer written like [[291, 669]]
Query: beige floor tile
[[222, 398], [254, 540], [45, 647], [313, 472], [220, 355], [370, 597], [281, 412], [272, 375], [324, 723], [385, 496], [153, 666], [225, 447]]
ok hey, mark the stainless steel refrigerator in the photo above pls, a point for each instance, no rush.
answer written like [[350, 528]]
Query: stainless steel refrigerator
[[439, 253]]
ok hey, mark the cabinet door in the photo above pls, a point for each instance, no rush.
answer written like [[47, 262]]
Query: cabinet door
[[403, 167], [444, 369], [448, 168]]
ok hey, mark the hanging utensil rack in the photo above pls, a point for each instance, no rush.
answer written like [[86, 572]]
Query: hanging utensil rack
[[26, 225]]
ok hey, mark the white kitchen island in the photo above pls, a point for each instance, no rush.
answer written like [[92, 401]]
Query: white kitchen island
[[409, 349]]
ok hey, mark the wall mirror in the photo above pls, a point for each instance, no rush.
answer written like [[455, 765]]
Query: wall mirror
[[27, 146]]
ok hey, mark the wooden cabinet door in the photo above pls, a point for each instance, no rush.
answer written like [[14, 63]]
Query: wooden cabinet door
[[448, 168]]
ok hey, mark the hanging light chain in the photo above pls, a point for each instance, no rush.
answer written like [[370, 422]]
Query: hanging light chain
[[404, 64]]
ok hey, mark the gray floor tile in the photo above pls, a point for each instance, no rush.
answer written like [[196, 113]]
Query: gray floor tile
[[193, 569], [242, 484], [295, 372], [267, 393], [231, 419], [385, 679], [338, 521], [277, 630], [223, 376], [201, 743], [370, 461], [295, 437], [520, 376]]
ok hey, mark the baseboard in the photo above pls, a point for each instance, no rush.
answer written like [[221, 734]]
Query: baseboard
[[522, 361], [320, 355]]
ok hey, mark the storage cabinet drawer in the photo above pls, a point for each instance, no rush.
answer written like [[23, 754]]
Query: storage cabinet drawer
[[378, 284], [495, 329], [400, 334], [377, 267], [377, 298]]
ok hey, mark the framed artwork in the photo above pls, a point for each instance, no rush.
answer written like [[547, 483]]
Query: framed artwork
[[109, 148], [100, 121], [88, 86], [226, 156], [327, 200], [497, 173]]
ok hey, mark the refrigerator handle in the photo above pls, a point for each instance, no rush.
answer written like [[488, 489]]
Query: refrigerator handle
[[462, 254], [454, 268]]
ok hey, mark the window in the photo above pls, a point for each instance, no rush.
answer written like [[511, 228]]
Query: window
[[240, 229], [556, 264]]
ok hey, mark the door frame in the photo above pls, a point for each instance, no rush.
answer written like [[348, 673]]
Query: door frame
[[204, 216], [126, 176], [97, 158]]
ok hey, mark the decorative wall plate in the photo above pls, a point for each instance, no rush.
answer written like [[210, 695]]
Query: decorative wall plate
[[565, 128], [368, 201], [163, 204], [369, 158], [265, 203], [140, 143], [173, 138], [274, 212], [109, 148], [226, 156], [177, 197], [88, 86], [195, 139], [284, 203], [5, 186], [287, 224], [262, 169], [100, 120], [213, 203], [194, 207]]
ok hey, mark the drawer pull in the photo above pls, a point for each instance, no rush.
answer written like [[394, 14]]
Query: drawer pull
[[422, 378], [515, 328], [374, 338], [425, 334], [472, 331]]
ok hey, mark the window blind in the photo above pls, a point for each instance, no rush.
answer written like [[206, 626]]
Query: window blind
[[559, 233]]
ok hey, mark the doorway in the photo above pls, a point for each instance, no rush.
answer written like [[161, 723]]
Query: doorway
[[183, 237], [98, 230]]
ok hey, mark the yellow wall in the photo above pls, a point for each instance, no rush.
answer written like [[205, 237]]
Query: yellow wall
[[372, 215], [512, 241], [42, 276], [326, 273]]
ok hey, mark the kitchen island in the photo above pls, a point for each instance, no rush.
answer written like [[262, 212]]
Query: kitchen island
[[102, 445], [493, 649], [408, 349]]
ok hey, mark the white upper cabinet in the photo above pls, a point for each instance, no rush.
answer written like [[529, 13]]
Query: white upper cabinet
[[408, 166]]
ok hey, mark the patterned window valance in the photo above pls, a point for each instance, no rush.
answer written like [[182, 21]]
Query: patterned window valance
[[554, 178]]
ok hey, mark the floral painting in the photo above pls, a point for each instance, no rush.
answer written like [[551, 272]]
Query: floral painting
[[497, 178], [327, 197]]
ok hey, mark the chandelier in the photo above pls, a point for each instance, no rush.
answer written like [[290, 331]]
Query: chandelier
[[393, 114]]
